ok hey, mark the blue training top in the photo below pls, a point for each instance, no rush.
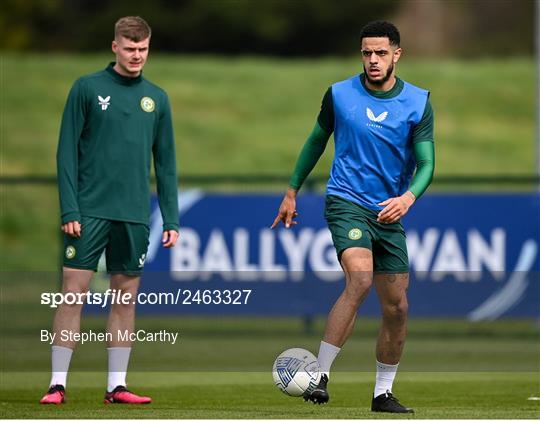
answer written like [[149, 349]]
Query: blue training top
[[373, 159]]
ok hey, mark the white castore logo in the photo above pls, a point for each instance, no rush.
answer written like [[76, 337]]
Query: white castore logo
[[142, 259], [381, 117], [104, 102]]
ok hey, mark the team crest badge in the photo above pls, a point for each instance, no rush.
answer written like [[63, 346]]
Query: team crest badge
[[70, 252], [355, 234], [147, 104]]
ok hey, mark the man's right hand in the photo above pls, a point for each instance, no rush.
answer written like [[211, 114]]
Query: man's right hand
[[72, 228], [287, 210]]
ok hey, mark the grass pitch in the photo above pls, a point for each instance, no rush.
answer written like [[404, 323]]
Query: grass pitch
[[252, 395], [221, 368]]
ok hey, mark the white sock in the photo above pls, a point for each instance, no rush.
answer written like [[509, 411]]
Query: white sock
[[60, 358], [385, 378], [327, 354], [118, 364]]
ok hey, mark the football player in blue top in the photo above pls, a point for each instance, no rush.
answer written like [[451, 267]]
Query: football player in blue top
[[384, 161]]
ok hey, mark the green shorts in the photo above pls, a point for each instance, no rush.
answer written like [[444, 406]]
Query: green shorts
[[125, 246], [352, 225]]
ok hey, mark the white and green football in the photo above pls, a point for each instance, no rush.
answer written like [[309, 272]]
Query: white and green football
[[296, 371]]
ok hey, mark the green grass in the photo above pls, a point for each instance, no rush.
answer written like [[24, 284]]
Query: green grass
[[214, 344], [221, 366], [252, 395], [250, 116]]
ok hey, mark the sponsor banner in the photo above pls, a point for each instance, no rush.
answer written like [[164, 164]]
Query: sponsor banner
[[473, 255]]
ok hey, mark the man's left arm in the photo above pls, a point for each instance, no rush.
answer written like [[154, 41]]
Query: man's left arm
[[424, 153], [165, 168]]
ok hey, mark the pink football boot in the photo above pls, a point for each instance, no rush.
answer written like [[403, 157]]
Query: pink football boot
[[121, 395], [55, 395]]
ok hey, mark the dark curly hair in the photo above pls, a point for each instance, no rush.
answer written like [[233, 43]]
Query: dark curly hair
[[381, 28]]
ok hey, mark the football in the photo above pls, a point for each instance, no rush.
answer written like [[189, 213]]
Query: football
[[296, 371]]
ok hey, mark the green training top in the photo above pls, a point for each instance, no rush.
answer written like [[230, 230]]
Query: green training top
[[422, 139], [111, 126]]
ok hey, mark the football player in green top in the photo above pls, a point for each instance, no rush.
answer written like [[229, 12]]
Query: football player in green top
[[115, 124]]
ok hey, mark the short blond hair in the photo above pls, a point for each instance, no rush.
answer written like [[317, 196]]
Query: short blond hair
[[134, 28]]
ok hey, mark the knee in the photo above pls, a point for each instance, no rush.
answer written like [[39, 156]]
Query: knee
[[74, 289], [357, 288], [72, 297], [123, 309], [125, 300], [396, 310]]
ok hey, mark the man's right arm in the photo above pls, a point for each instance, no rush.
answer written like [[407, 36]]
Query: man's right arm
[[308, 158], [67, 154], [315, 143]]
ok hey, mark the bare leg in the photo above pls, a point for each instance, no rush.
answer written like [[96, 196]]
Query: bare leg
[[357, 264], [66, 319], [121, 319], [68, 316], [122, 316], [392, 292]]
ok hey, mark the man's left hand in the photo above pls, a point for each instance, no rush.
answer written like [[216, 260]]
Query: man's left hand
[[395, 208], [169, 238]]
